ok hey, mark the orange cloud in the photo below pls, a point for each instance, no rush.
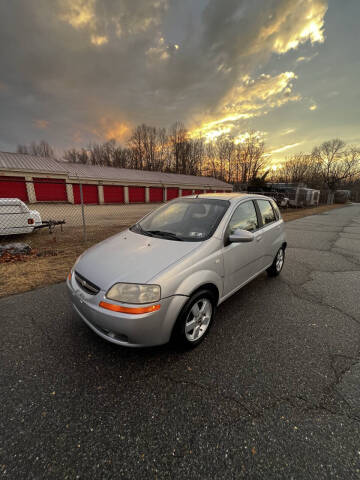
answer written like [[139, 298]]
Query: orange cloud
[[285, 147], [79, 13], [41, 123], [114, 129], [296, 23], [99, 39], [249, 98]]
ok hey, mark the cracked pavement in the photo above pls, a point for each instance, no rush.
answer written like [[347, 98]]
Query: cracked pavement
[[273, 392]]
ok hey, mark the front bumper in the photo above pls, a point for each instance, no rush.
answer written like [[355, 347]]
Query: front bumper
[[129, 330]]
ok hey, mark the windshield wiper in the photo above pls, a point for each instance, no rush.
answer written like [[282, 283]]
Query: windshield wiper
[[161, 233], [138, 227]]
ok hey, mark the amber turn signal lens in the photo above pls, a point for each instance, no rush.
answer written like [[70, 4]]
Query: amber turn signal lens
[[69, 276], [133, 310]]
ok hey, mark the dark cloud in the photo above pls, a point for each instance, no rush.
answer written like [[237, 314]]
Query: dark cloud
[[80, 70]]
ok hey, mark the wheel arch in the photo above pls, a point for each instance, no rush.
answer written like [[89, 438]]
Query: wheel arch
[[199, 280], [208, 286]]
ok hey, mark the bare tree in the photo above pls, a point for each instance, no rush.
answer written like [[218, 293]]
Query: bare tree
[[41, 149], [177, 138], [250, 159], [225, 152], [136, 146], [337, 163]]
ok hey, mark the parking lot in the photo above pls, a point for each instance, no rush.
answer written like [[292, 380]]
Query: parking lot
[[273, 392]]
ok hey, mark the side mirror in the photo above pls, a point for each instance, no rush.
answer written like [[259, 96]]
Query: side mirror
[[241, 236]]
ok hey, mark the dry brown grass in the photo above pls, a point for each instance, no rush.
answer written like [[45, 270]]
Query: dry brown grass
[[59, 250], [57, 253], [295, 213]]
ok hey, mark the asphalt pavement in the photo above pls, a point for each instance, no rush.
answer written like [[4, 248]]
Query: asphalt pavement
[[273, 392]]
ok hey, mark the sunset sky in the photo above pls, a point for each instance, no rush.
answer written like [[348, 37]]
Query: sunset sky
[[75, 71]]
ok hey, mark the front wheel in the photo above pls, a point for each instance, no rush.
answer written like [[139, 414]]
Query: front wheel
[[278, 263], [195, 319]]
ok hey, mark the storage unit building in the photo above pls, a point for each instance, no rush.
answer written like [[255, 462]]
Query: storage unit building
[[90, 193], [50, 189], [13, 187], [37, 179], [136, 194], [156, 194], [171, 193], [113, 194]]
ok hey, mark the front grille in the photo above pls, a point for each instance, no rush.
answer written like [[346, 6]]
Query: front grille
[[86, 285]]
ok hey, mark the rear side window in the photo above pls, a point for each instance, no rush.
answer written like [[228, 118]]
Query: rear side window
[[244, 218], [266, 211], [276, 210]]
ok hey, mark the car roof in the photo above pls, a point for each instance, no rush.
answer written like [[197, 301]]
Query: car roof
[[230, 196]]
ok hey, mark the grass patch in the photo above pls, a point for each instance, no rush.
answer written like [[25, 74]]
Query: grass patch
[[57, 252]]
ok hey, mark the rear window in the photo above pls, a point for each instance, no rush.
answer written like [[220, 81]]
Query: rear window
[[276, 210], [266, 211], [8, 209]]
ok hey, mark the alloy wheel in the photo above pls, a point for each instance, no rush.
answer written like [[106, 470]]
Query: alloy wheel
[[279, 260], [198, 319]]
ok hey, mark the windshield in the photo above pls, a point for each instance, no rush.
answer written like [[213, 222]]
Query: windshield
[[185, 219]]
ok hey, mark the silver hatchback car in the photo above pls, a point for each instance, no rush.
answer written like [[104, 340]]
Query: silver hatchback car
[[163, 278]]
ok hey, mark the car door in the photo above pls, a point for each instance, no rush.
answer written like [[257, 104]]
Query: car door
[[242, 261], [271, 229]]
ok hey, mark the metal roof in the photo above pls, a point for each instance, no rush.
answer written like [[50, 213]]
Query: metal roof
[[19, 161], [35, 164]]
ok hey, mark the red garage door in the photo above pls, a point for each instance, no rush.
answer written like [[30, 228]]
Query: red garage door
[[13, 187], [156, 194], [197, 192], [50, 190], [90, 193], [185, 192], [137, 194], [172, 193], [113, 194]]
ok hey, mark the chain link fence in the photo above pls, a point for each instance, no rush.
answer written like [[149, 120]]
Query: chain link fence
[[41, 239], [52, 222], [60, 208], [78, 212]]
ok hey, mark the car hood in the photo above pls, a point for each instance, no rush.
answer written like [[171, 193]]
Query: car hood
[[130, 257]]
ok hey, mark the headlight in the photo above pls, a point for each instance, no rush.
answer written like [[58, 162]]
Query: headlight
[[134, 293]]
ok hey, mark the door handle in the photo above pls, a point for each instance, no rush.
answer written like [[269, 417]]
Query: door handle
[[259, 238]]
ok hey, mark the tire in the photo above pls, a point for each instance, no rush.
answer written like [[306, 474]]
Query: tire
[[183, 335], [275, 269]]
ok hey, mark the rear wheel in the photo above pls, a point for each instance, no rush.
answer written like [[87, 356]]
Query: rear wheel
[[278, 263], [195, 319]]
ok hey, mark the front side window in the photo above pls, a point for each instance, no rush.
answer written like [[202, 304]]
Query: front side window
[[185, 219], [266, 211], [244, 218]]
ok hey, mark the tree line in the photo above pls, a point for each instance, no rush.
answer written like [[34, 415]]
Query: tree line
[[329, 165], [175, 151]]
